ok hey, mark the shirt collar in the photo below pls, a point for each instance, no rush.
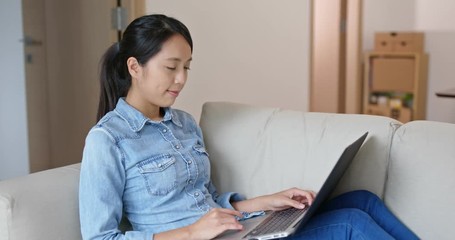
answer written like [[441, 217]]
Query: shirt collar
[[136, 120]]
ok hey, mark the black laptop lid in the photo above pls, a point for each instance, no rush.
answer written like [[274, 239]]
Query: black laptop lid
[[334, 177]]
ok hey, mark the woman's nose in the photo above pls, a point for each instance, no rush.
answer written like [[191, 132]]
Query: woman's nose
[[181, 77]]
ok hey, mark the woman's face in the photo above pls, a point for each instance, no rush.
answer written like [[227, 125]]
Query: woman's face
[[158, 82]]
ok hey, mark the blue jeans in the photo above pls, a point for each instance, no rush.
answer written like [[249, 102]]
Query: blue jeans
[[354, 215]]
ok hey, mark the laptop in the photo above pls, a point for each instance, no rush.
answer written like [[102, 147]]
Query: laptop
[[279, 224]]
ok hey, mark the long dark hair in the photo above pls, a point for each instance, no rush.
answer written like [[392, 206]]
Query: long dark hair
[[142, 39]]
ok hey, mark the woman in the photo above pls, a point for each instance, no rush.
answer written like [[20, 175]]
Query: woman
[[148, 161]]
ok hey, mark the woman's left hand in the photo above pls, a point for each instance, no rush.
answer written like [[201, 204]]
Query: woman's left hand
[[293, 197]]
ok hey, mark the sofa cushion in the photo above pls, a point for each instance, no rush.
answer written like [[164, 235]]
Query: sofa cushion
[[421, 176], [258, 150]]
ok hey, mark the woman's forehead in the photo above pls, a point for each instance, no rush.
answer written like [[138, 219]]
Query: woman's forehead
[[176, 48]]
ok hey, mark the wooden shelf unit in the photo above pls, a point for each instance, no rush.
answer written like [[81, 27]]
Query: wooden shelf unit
[[417, 88]]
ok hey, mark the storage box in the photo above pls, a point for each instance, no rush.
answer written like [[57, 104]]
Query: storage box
[[403, 114], [399, 42], [392, 74]]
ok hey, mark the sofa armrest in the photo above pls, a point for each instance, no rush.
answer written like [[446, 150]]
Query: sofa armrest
[[42, 205]]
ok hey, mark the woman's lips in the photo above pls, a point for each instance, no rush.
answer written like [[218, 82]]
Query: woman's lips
[[173, 93]]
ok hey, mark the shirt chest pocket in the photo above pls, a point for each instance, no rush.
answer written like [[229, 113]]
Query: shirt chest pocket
[[159, 174], [203, 159]]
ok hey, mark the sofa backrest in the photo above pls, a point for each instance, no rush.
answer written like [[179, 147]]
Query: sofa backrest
[[248, 144], [421, 178]]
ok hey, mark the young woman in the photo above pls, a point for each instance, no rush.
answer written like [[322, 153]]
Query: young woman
[[147, 161]]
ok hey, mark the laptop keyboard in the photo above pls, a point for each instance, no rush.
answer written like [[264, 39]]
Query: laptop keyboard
[[277, 222]]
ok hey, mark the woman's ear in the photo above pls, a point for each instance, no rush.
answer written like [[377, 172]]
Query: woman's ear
[[134, 68]]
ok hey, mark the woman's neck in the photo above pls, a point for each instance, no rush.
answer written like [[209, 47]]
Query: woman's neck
[[153, 112]]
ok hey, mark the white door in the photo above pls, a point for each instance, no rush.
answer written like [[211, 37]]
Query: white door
[[63, 98], [76, 36], [45, 117], [34, 28]]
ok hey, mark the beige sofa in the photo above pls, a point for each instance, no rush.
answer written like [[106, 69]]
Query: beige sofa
[[257, 150]]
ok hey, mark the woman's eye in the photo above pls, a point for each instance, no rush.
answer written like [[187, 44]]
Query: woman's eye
[[171, 68], [187, 68]]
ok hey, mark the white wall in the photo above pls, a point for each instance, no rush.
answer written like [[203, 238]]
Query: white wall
[[437, 15], [13, 119], [436, 19], [386, 15], [254, 52]]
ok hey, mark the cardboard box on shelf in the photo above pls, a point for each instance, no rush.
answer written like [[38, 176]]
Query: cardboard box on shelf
[[401, 114], [399, 42], [392, 74]]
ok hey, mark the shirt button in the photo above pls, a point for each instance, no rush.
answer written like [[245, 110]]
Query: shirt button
[[160, 165], [191, 181], [196, 194], [177, 146], [190, 162], [164, 130]]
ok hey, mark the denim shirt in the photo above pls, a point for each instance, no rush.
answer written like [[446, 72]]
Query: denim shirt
[[157, 173]]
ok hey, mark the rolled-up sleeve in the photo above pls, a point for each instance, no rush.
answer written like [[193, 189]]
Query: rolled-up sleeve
[[225, 199]]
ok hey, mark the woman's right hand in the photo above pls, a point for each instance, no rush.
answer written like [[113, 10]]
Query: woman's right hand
[[215, 222]]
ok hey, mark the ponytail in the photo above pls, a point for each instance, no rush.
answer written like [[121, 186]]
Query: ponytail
[[114, 83]]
